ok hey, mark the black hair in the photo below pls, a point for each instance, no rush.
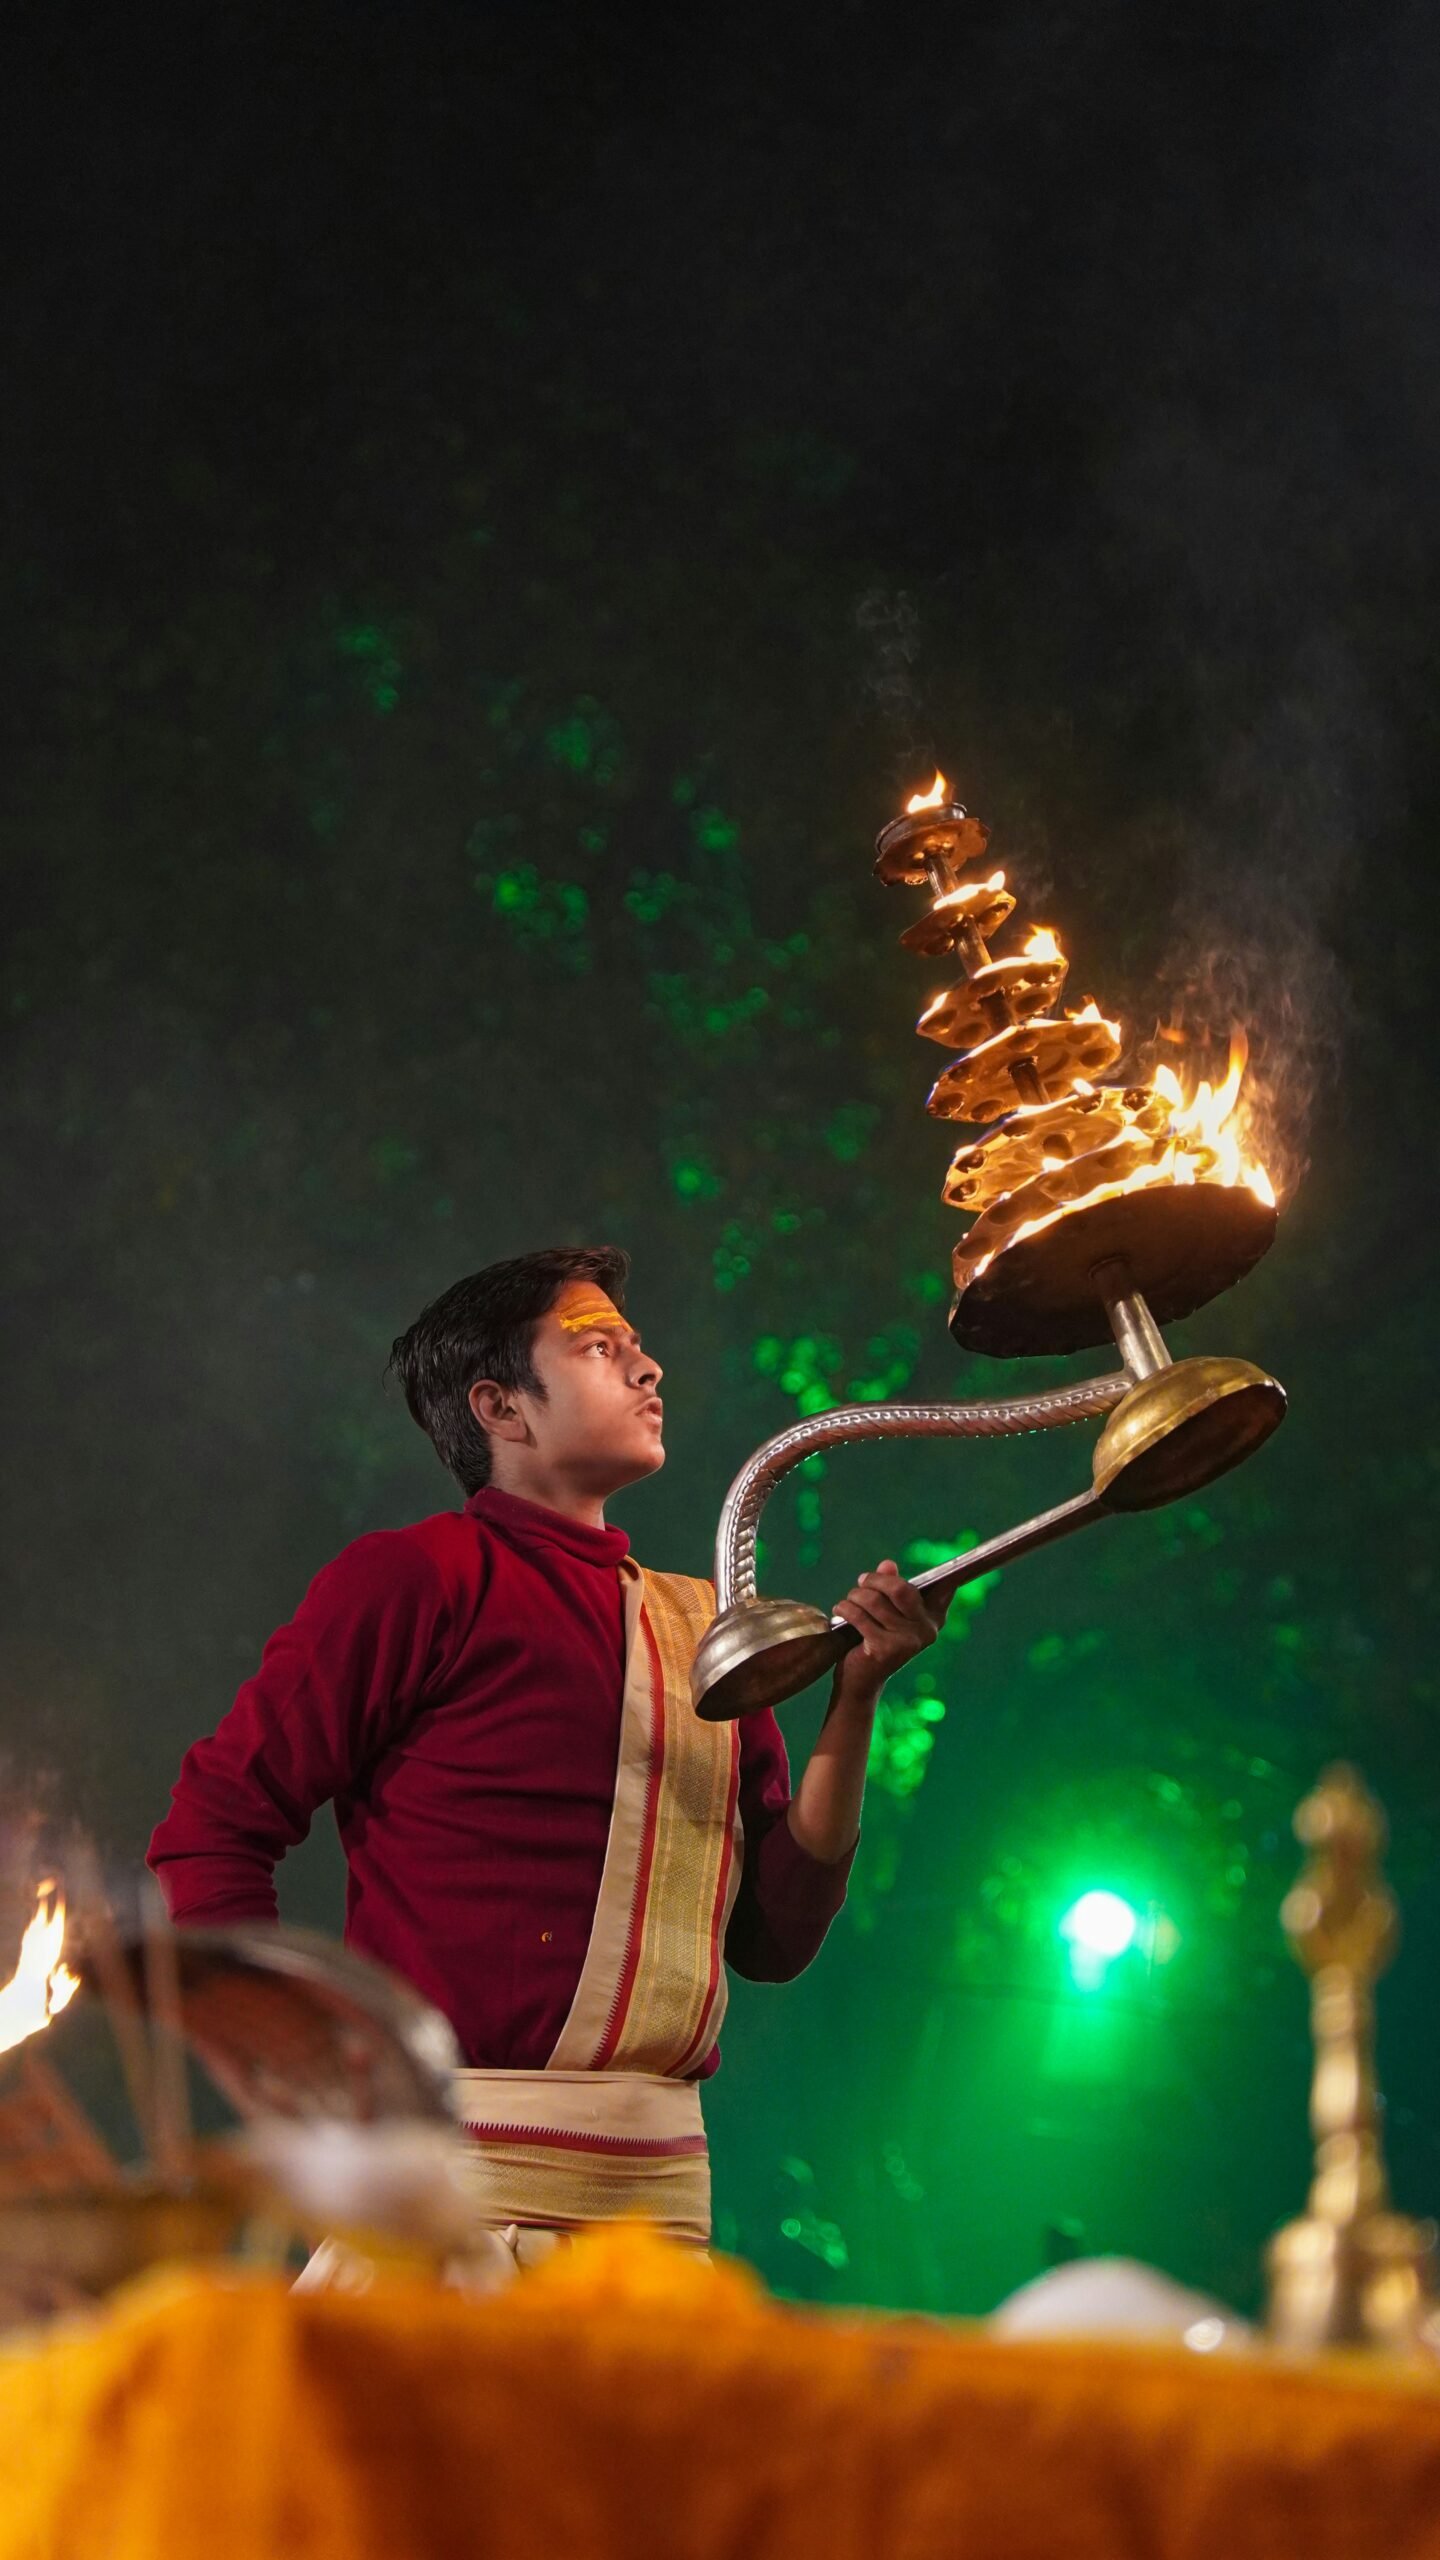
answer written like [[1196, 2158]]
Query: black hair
[[484, 1327]]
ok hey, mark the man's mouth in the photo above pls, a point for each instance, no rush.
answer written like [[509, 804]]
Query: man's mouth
[[653, 1410]]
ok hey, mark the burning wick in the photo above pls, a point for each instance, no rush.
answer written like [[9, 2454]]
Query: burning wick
[[1042, 944], [934, 798], [1202, 1126], [958, 897], [41, 1984]]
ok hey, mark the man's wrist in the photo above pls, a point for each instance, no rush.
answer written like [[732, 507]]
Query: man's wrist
[[857, 1684]]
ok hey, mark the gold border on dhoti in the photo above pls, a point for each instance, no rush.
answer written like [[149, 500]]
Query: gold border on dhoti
[[652, 1991]]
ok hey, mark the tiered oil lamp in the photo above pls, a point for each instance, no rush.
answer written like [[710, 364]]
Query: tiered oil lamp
[[1089, 1197], [1100, 1209]]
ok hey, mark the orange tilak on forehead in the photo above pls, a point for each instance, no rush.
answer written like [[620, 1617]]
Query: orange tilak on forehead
[[579, 1308]]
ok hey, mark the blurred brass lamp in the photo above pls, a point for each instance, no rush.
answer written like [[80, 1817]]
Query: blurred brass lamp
[[339, 2073], [1100, 1211], [1350, 2272]]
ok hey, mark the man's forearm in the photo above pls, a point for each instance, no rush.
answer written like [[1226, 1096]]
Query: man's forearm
[[233, 1815], [893, 1622], [214, 1889], [824, 1814]]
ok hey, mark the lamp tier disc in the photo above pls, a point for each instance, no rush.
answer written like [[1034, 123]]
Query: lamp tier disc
[[903, 849], [978, 903], [1182, 1244], [982, 1086], [1021, 1146], [958, 1017], [1055, 1187]]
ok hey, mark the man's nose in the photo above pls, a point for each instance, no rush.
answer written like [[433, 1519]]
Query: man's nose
[[648, 1371]]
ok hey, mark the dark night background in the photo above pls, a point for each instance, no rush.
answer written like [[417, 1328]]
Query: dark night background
[[500, 505]]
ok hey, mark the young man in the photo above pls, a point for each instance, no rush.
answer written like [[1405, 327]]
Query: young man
[[540, 1833]]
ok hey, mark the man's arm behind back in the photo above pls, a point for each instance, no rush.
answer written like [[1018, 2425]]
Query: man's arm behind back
[[332, 1687]]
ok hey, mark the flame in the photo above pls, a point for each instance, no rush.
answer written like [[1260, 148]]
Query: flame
[[41, 1984], [934, 798], [965, 895], [1203, 1142], [1206, 1126], [1042, 945]]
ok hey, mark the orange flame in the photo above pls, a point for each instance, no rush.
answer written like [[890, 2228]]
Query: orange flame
[[934, 798], [1042, 945], [1202, 1143], [959, 897], [1205, 1127], [41, 1984]]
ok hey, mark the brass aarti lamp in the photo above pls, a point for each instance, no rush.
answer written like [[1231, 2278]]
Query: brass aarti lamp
[[1101, 1210], [1351, 2272]]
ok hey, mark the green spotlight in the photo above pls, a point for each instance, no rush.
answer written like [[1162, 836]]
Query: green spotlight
[[1100, 1925]]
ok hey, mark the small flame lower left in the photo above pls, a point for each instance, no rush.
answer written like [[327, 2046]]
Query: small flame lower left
[[42, 1984]]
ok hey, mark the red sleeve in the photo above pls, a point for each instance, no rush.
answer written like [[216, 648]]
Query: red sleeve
[[787, 1899], [329, 1692]]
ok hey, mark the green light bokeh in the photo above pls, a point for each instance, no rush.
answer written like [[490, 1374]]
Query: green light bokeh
[[1100, 1923]]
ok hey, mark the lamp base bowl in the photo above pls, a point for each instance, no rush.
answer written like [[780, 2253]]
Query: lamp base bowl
[[759, 1652], [1181, 1428]]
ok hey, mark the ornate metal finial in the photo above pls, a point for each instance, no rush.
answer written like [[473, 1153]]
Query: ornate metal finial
[[1350, 2272]]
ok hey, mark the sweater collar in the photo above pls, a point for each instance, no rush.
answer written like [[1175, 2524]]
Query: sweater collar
[[529, 1524]]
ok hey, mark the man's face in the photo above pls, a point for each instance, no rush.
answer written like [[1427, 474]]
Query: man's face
[[601, 1419]]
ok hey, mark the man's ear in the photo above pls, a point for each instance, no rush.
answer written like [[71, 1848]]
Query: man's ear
[[496, 1411]]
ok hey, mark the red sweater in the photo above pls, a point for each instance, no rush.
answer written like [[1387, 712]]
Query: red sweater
[[454, 1689]]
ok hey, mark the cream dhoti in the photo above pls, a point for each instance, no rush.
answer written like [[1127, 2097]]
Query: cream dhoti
[[553, 2150]]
